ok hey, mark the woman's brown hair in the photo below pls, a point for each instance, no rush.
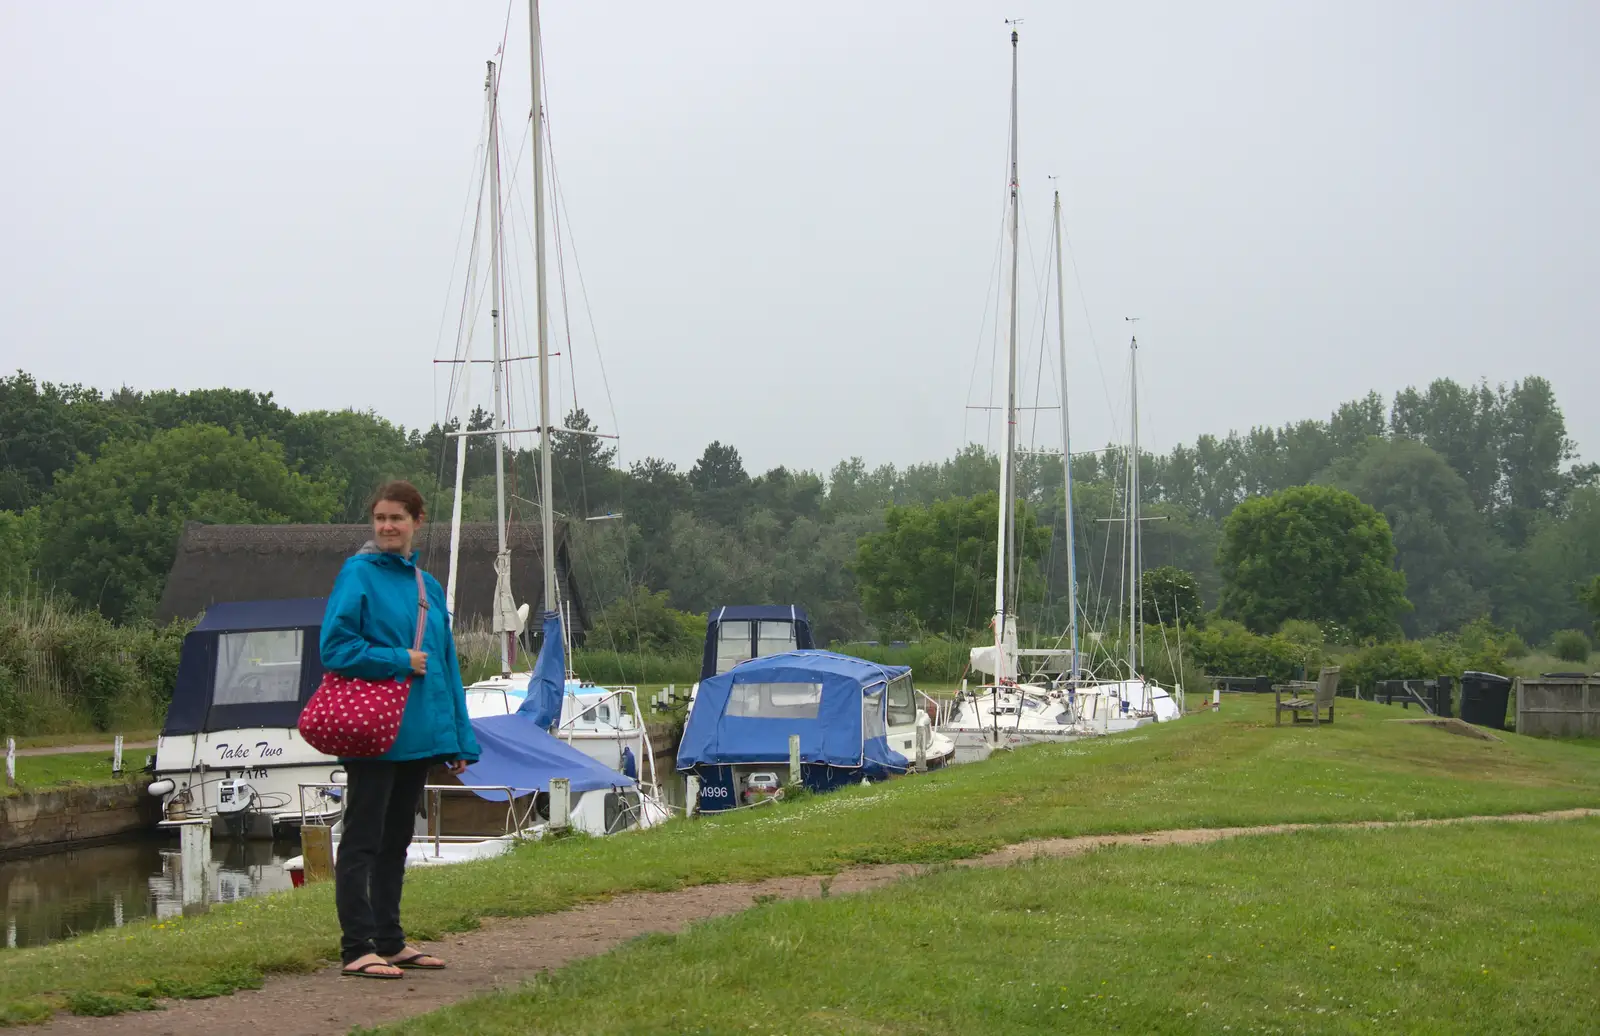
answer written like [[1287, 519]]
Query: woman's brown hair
[[403, 493]]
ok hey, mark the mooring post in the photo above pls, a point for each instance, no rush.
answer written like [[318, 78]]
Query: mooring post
[[691, 795], [116, 757], [794, 758], [924, 731], [194, 844], [1216, 697], [11, 762], [560, 803]]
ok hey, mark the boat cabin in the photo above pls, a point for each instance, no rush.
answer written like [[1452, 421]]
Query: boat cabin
[[736, 633], [247, 665], [855, 719], [229, 748]]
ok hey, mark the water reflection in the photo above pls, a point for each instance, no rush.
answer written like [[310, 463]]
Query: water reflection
[[68, 893]]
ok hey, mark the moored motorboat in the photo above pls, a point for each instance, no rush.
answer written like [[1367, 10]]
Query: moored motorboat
[[229, 751], [855, 720]]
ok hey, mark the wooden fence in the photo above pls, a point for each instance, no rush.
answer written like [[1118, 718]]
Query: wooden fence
[[1559, 706]]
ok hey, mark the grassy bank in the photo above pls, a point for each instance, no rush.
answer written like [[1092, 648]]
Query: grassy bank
[[1462, 930], [1223, 769], [45, 772]]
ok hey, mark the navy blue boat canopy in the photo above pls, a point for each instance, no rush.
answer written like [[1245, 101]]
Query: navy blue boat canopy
[[837, 704], [247, 664], [735, 633]]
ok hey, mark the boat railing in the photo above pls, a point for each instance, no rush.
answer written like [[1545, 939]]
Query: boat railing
[[567, 728], [517, 821]]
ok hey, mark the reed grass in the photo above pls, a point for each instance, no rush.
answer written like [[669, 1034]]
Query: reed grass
[[64, 670]]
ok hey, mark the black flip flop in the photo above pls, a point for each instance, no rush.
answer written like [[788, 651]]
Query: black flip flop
[[365, 971], [411, 962]]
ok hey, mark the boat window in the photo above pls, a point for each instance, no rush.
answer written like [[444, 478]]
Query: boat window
[[774, 638], [902, 702], [733, 644], [775, 700], [256, 667], [872, 714]]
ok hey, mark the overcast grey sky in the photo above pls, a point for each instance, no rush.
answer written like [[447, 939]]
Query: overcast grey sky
[[788, 214]]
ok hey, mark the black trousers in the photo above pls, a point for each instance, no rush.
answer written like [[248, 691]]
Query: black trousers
[[380, 807]]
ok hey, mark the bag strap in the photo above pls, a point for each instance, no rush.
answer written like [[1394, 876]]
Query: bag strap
[[422, 609]]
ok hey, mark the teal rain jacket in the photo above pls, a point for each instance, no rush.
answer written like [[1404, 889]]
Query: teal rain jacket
[[366, 633]]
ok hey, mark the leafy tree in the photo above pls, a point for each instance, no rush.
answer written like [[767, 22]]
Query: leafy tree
[[933, 566], [719, 467], [1535, 447], [357, 451], [43, 428], [720, 485], [19, 550], [1171, 596], [1442, 543], [642, 621], [1465, 426], [1539, 594], [251, 414], [1590, 595], [852, 489], [1311, 552], [110, 528], [583, 479]]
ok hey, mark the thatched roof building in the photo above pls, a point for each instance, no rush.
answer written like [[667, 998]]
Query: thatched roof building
[[266, 562]]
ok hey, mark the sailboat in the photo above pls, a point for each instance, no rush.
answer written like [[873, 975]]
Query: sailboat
[[1134, 699], [605, 724], [1060, 700], [1007, 710]]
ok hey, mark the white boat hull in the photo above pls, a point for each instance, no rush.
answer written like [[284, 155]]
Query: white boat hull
[[272, 762]]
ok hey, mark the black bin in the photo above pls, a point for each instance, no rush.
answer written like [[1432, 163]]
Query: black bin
[[1484, 697]]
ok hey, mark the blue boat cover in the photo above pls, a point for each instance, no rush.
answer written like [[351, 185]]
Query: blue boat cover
[[521, 755], [548, 683], [193, 707], [241, 616], [790, 613], [717, 734]]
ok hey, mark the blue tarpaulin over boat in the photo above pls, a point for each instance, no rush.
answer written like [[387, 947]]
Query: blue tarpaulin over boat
[[747, 619], [834, 702], [519, 754], [548, 681]]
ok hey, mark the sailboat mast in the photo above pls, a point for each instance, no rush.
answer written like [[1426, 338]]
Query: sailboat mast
[[1066, 447], [546, 504], [1135, 591], [1004, 547], [466, 387], [502, 559]]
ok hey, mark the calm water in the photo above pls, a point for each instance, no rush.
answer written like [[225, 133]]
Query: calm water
[[68, 893]]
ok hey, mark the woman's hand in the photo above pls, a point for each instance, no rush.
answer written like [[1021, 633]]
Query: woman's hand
[[457, 767], [419, 662]]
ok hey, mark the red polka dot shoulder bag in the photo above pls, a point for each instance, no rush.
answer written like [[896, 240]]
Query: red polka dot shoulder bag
[[356, 719]]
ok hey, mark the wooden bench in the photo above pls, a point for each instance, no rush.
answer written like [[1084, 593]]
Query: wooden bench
[[1322, 695]]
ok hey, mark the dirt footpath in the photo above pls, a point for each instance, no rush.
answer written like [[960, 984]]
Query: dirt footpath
[[506, 952]]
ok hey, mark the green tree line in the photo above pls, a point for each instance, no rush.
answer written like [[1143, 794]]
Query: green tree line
[[1489, 512]]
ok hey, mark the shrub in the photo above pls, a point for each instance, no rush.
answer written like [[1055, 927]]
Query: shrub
[[1571, 646], [63, 669], [1226, 648], [933, 659], [1398, 660]]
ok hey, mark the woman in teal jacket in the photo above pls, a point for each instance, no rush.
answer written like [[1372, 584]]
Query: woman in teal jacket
[[367, 631]]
